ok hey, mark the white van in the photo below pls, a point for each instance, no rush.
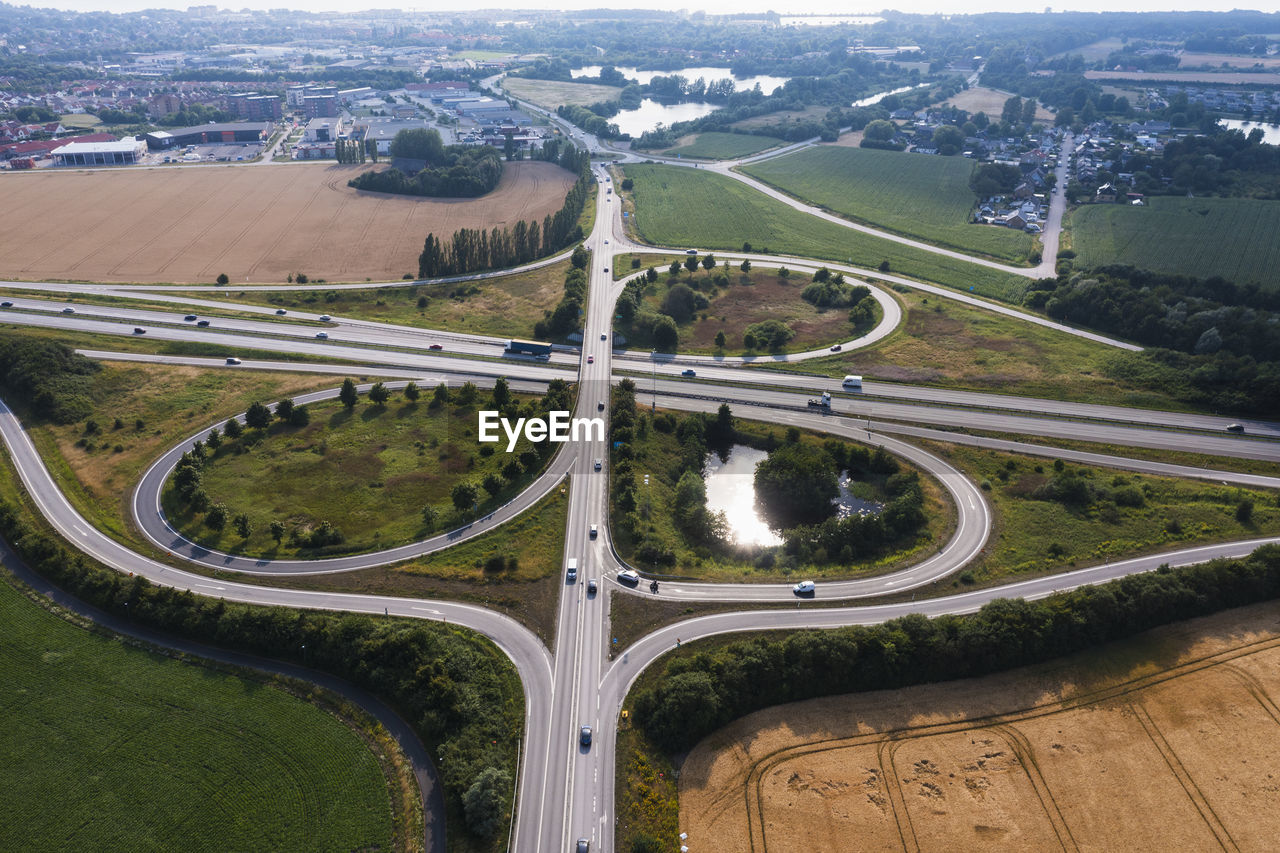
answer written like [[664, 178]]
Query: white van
[[854, 382], [571, 570]]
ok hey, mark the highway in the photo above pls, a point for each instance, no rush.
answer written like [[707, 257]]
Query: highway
[[565, 788]]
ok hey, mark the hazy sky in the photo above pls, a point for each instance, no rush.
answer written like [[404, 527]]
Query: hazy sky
[[841, 7]]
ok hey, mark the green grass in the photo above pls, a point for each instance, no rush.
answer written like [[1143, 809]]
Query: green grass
[[927, 198], [952, 345], [368, 471], [1235, 238], [110, 747], [86, 121], [645, 789], [507, 306], [724, 146], [657, 452], [482, 55], [1176, 513], [676, 206]]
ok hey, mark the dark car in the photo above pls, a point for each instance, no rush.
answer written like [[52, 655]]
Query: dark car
[[68, 310], [203, 323], [281, 311], [1235, 428], [691, 251], [435, 346], [689, 373], [584, 736], [189, 317], [837, 348], [138, 330], [6, 304], [584, 846]]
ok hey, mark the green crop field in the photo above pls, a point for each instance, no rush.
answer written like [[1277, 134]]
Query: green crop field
[[911, 194], [553, 93], [676, 206], [110, 747], [1236, 238], [724, 146]]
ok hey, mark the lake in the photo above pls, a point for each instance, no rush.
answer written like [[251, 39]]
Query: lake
[[731, 489], [1270, 132], [651, 113], [767, 82]]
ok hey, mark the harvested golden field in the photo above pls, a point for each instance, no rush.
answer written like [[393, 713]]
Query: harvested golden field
[[1169, 741], [978, 99], [254, 223], [1225, 78]]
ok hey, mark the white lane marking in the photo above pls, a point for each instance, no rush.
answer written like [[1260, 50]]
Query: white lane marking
[[426, 610]]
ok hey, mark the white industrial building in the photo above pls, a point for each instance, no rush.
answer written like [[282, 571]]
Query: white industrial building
[[122, 152]]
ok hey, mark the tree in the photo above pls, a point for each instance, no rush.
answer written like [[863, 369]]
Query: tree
[[300, 417], [674, 269], [465, 496], [467, 393], [651, 274], [379, 394], [348, 393], [709, 263], [222, 278], [493, 484], [411, 392], [258, 416], [233, 429], [484, 803], [214, 439], [884, 266], [745, 266], [665, 333], [501, 393], [690, 508], [284, 410], [949, 140], [580, 257], [244, 527], [277, 531], [440, 396], [879, 130], [430, 516], [749, 340], [217, 517], [691, 263], [784, 273], [720, 340], [795, 485]]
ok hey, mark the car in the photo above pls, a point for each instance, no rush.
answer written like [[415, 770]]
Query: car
[[231, 359], [598, 464], [603, 336], [600, 406], [629, 576], [804, 588], [592, 586], [689, 372], [591, 359], [584, 846], [203, 323], [1235, 428], [691, 251], [281, 311], [6, 304], [606, 269], [189, 317], [324, 318], [435, 346], [138, 330], [68, 310], [836, 348], [606, 241], [584, 735], [595, 531], [324, 336]]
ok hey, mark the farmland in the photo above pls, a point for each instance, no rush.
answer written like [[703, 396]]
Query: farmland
[[722, 146], [1236, 238], [553, 93], [911, 194], [1224, 78], [108, 746], [1177, 723], [254, 223], [682, 207], [978, 99]]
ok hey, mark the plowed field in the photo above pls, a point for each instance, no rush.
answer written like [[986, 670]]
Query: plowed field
[[1170, 741], [254, 223]]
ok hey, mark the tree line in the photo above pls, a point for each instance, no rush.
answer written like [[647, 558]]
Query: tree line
[[52, 379], [474, 250], [1211, 342], [434, 676], [701, 691]]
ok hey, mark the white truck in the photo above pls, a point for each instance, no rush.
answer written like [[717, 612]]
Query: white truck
[[571, 570], [823, 402], [853, 383]]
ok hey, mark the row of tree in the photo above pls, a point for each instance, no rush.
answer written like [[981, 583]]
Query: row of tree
[[433, 676], [474, 250], [698, 691], [54, 380], [447, 171]]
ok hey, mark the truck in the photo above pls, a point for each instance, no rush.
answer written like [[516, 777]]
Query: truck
[[823, 402], [852, 382], [571, 570], [537, 349]]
